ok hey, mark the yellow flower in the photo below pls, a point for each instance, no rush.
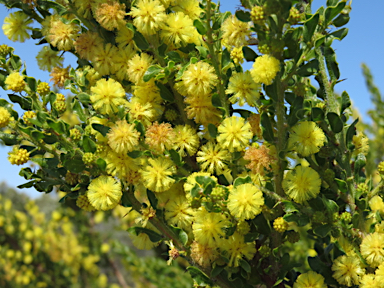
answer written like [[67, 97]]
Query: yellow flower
[[238, 249], [142, 241], [208, 228], [186, 140], [280, 225], [235, 32], [16, 25], [244, 89], [18, 156], [107, 95], [15, 82], [310, 280], [265, 69], [380, 275], [376, 204], [121, 61], [200, 109], [86, 43], [83, 203], [203, 254], [5, 117], [160, 137], [110, 15], [149, 16], [369, 281], [306, 138], [245, 201], [237, 55], [189, 7], [62, 35], [120, 164], [178, 29], [179, 213], [124, 36], [347, 270], [156, 175], [123, 137], [260, 159], [372, 249], [104, 193], [235, 134], [102, 56], [199, 78], [84, 7], [47, 59], [59, 75], [213, 158], [361, 143], [302, 184], [137, 67], [142, 112]]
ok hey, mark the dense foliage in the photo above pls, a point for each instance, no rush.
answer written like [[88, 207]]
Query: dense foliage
[[235, 170]]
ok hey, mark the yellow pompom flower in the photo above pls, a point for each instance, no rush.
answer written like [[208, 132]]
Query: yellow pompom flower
[[141, 241], [306, 138], [369, 281], [376, 204], [310, 280], [200, 109], [235, 32], [15, 82], [107, 95], [104, 193], [237, 55], [16, 25], [186, 140], [178, 213], [208, 228], [83, 203], [260, 159], [157, 174], [124, 36], [47, 59], [361, 143], [59, 75], [244, 89], [245, 201], [302, 184], [121, 61], [235, 134], [86, 43], [123, 137], [213, 158], [265, 69], [137, 67], [143, 112], [203, 254], [372, 249], [160, 137], [102, 56], [238, 249], [5, 117], [178, 29], [149, 16], [199, 78], [43, 88], [379, 273], [280, 225], [347, 270], [62, 35], [120, 164], [189, 7], [18, 156], [110, 15]]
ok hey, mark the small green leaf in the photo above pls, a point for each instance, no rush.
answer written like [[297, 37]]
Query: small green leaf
[[317, 114], [89, 145], [152, 198], [351, 131], [140, 41], [174, 56], [58, 127], [309, 69], [8, 139], [25, 103], [216, 102], [153, 236], [74, 164], [360, 162], [165, 93], [323, 230], [330, 205], [250, 237], [342, 185], [135, 154], [125, 202], [225, 59], [345, 101], [262, 225], [31, 83], [249, 54], [245, 265], [151, 72], [200, 277], [176, 158], [310, 27], [139, 127], [84, 98], [101, 128], [201, 28], [205, 180], [335, 122], [341, 20], [243, 16], [196, 191], [202, 51], [181, 235], [216, 271], [289, 206], [212, 129], [268, 134], [242, 180], [332, 11], [101, 163]]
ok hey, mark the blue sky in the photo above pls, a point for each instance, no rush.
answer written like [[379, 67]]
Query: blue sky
[[364, 44]]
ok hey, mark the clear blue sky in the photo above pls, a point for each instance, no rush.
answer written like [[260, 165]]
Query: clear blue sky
[[364, 44]]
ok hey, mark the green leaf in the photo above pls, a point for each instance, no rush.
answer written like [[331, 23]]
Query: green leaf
[[205, 181], [341, 20], [27, 185], [25, 103], [323, 230], [250, 237], [242, 180], [317, 114], [176, 158], [243, 16], [165, 93], [139, 127], [31, 83], [225, 59], [216, 102], [201, 28], [309, 69], [135, 154], [101, 128], [195, 191], [200, 277], [16, 62], [212, 129], [339, 34], [202, 51], [351, 131], [268, 134], [58, 127], [152, 198], [345, 101], [332, 2], [262, 225], [289, 206], [310, 27], [125, 199], [216, 271], [140, 41], [174, 56], [89, 145], [223, 16], [342, 185], [332, 11], [335, 122], [8, 139], [151, 72], [153, 236], [360, 162], [101, 163], [330, 205], [84, 98], [249, 54], [181, 235], [245, 265]]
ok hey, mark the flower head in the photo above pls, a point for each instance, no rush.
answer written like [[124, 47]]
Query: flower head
[[62, 35], [306, 138], [347, 270], [244, 89], [156, 175], [310, 280], [16, 25], [235, 32], [361, 143], [124, 36], [102, 56], [59, 75], [83, 203], [160, 137], [200, 109], [149, 16], [265, 69], [245, 201], [189, 7], [302, 184], [47, 59], [15, 82], [104, 193], [110, 15], [234, 133], [5, 117], [369, 281], [199, 78], [123, 137], [213, 158], [18, 156], [86, 43], [186, 140], [372, 249], [137, 67], [203, 255], [107, 95], [191, 180], [238, 249], [260, 159], [179, 213], [120, 164], [143, 112], [178, 29]]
